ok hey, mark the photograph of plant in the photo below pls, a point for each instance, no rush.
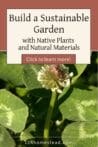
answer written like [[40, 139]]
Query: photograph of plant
[[49, 105]]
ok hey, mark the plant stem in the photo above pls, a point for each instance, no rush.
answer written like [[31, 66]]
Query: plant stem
[[48, 118]]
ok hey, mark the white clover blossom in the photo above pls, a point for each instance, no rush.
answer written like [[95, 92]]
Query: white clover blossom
[[54, 77]]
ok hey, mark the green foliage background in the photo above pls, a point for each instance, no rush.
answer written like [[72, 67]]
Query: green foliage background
[[24, 104]]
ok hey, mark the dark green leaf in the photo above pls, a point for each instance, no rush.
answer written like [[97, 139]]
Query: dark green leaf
[[79, 68]]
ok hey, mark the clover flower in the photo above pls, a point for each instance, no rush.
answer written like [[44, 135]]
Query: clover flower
[[54, 77]]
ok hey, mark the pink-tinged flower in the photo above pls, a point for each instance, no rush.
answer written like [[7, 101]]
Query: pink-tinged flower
[[54, 77]]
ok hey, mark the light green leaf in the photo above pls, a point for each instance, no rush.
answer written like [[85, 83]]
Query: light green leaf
[[30, 76], [84, 134], [5, 138], [81, 105], [28, 133], [13, 112], [21, 91], [10, 72]]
